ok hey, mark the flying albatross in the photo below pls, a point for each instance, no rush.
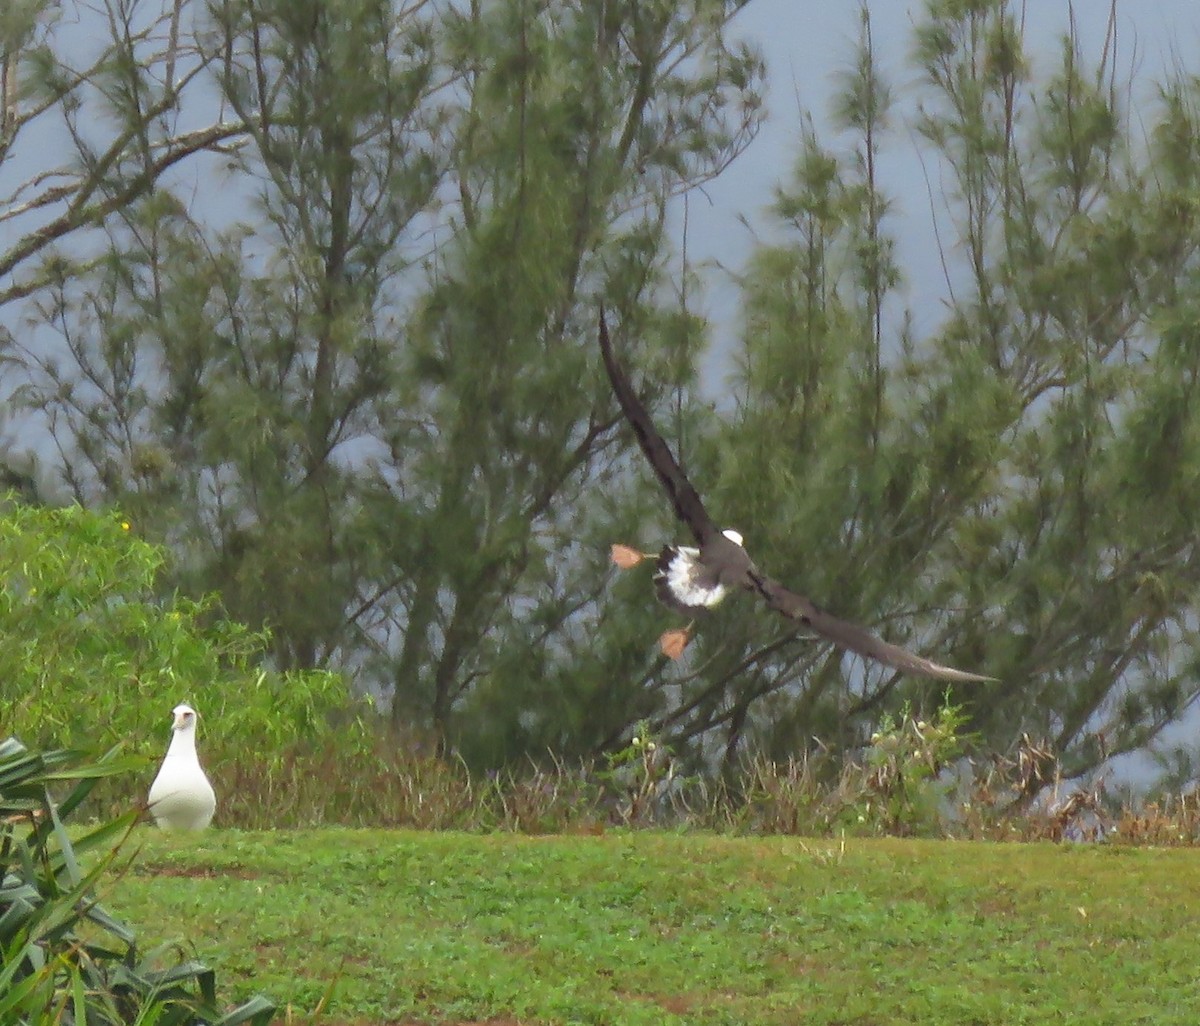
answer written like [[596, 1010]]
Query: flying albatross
[[693, 579]]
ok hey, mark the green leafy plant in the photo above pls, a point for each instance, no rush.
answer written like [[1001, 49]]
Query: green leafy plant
[[903, 788], [63, 957], [94, 654], [642, 778]]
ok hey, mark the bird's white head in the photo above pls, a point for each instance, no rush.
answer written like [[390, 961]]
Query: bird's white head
[[733, 536], [185, 718]]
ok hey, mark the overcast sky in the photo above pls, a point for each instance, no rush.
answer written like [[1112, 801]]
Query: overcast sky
[[807, 43]]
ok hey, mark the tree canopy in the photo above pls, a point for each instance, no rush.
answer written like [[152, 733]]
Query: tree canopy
[[309, 292]]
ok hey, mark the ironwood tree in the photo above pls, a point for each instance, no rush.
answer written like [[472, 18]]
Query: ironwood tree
[[310, 291], [1018, 490]]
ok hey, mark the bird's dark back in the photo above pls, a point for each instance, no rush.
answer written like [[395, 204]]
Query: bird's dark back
[[730, 563]]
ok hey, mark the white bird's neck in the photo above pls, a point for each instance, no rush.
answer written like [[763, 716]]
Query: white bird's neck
[[183, 745]]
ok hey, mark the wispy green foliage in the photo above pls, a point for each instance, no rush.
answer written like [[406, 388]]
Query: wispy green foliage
[[367, 412], [362, 403], [1082, 264], [1016, 491]]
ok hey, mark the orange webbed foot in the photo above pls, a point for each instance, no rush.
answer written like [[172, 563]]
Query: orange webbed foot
[[626, 557], [674, 641]]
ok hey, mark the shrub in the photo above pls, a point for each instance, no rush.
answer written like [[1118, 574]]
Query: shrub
[[93, 655], [904, 789]]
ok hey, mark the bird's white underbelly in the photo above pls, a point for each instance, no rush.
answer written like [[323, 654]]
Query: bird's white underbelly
[[183, 799], [681, 574]]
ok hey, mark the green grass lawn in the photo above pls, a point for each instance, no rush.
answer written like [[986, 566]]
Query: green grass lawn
[[654, 928]]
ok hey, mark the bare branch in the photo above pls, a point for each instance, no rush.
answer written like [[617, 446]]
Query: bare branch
[[81, 212]]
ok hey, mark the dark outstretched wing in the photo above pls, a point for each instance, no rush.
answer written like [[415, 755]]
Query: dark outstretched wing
[[684, 497], [691, 511], [851, 636]]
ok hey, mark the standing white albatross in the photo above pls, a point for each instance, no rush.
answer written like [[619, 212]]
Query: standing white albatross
[[181, 798], [691, 579]]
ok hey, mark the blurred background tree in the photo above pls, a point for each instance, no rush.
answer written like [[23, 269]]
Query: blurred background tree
[[1017, 491], [355, 391], [344, 368]]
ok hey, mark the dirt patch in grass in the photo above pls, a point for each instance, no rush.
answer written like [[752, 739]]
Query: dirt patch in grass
[[502, 1021], [997, 905], [675, 1004], [196, 872]]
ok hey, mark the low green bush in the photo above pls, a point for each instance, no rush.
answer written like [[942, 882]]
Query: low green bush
[[93, 654]]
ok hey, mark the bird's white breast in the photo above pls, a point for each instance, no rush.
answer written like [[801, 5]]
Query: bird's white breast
[[683, 575], [181, 798]]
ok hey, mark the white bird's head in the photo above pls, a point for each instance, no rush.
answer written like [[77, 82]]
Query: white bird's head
[[733, 536], [185, 718]]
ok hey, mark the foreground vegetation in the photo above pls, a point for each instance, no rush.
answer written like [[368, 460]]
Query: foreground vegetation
[[63, 957], [599, 924], [655, 928], [482, 922]]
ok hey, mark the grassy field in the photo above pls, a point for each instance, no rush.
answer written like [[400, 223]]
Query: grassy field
[[656, 928]]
